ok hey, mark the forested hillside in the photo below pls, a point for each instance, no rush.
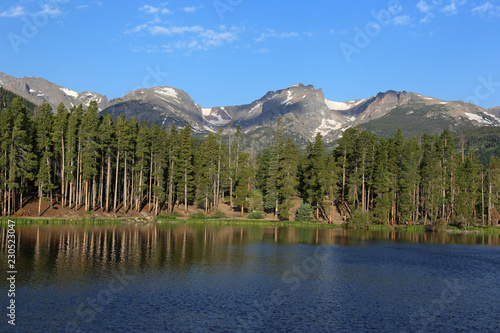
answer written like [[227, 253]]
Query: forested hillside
[[80, 159], [6, 98]]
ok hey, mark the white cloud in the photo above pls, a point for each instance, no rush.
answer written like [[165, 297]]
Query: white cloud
[[148, 9], [423, 6], [274, 34], [214, 38], [427, 18], [14, 12], [191, 9], [452, 7], [487, 9], [402, 20], [159, 30], [50, 10]]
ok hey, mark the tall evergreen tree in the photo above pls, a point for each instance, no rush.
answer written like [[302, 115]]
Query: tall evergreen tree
[[185, 167], [43, 124], [90, 153], [287, 179]]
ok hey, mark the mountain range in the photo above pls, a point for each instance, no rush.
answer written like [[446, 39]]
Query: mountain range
[[304, 109]]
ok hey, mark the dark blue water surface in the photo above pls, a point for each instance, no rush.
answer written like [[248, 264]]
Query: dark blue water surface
[[229, 279]]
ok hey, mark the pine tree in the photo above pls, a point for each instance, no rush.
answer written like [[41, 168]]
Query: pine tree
[[43, 124], [143, 154], [159, 164], [123, 147], [72, 153], [315, 163], [287, 181], [330, 188], [243, 182], [59, 141], [6, 126], [345, 157], [206, 172], [172, 154], [382, 183], [22, 159], [271, 199], [90, 153], [185, 167], [409, 181], [107, 140]]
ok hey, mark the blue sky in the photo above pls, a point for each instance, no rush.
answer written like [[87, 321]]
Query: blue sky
[[228, 52]]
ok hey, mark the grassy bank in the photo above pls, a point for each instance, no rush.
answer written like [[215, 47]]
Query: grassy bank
[[23, 221]]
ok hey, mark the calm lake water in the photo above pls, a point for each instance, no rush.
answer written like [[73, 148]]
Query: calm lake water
[[154, 278]]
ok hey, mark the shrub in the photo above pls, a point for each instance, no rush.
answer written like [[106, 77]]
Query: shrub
[[256, 216], [304, 213], [217, 215], [198, 215], [439, 225], [168, 217], [359, 219]]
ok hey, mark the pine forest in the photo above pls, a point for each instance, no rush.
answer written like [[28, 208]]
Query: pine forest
[[81, 160]]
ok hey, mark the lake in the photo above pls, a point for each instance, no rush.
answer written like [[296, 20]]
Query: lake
[[183, 278]]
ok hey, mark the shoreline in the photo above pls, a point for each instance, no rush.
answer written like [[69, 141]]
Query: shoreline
[[238, 222]]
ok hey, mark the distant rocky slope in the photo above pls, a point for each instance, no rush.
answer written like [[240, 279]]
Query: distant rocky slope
[[304, 109], [36, 90]]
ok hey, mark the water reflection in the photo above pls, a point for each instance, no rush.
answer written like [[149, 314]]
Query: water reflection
[[79, 250]]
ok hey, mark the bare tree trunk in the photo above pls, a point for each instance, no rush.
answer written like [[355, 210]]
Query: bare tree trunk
[[185, 191], [40, 198], [482, 198], [490, 207], [63, 183], [125, 185], [116, 180]]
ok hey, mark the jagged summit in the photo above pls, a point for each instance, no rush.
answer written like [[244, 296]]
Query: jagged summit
[[305, 110]]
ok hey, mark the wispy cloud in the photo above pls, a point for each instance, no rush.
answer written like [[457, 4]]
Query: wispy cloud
[[51, 10], [46, 9], [191, 9], [276, 35], [187, 38], [487, 9], [15, 11], [423, 7], [148, 9], [402, 20], [170, 31]]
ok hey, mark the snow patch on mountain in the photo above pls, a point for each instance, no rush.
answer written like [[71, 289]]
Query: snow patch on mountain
[[206, 111], [327, 125], [69, 92], [167, 91], [338, 106], [486, 118], [289, 98]]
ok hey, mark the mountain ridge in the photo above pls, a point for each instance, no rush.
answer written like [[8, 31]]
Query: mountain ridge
[[305, 110]]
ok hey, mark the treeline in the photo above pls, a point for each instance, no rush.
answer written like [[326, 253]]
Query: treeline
[[82, 160], [6, 98]]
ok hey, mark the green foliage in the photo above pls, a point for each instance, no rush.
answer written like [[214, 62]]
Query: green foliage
[[7, 97], [304, 213], [217, 215], [359, 219], [438, 225], [198, 215], [256, 216]]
